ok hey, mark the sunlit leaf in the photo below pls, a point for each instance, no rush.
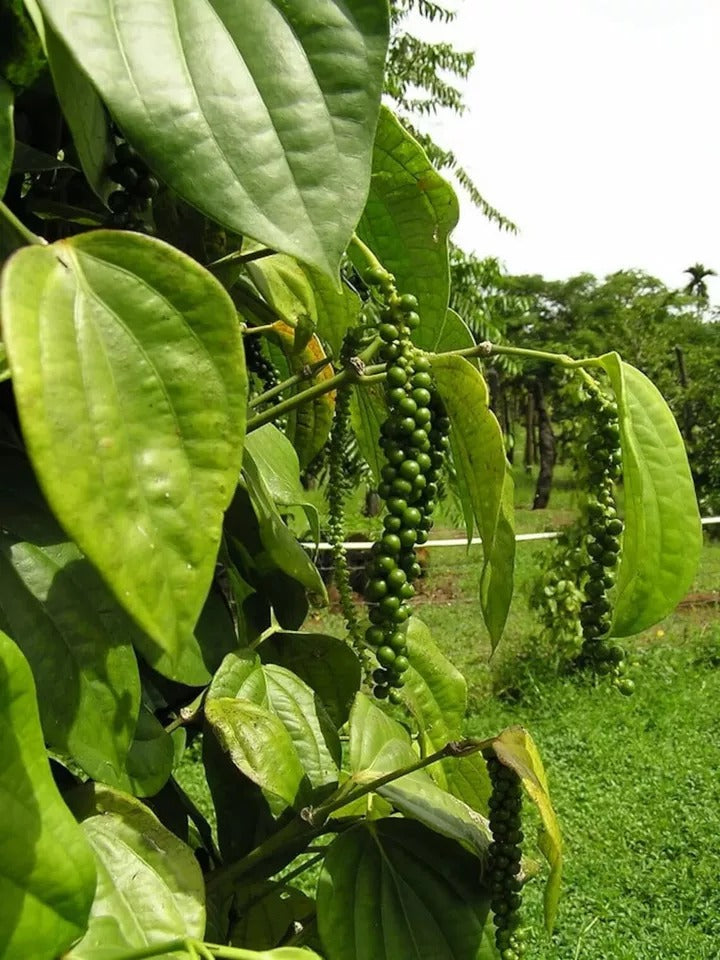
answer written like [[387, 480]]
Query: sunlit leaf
[[300, 294], [479, 457], [261, 116], [129, 376], [378, 746], [259, 746], [662, 537], [326, 664], [392, 888], [150, 887], [277, 464], [283, 694], [410, 211], [47, 875], [282, 548]]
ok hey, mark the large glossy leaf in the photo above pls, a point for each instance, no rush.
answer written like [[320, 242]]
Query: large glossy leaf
[[82, 107], [262, 116], [479, 456], [150, 887], [278, 465], [294, 703], [259, 746], [450, 333], [326, 664], [662, 537], [129, 375], [85, 114], [7, 133], [436, 695], [47, 875], [395, 889], [516, 749], [300, 292], [409, 213], [282, 693], [379, 745], [75, 635]]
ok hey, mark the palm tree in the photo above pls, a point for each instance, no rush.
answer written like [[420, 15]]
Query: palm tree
[[697, 286]]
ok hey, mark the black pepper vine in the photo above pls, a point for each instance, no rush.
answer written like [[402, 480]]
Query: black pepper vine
[[414, 439], [337, 491], [604, 529], [504, 857]]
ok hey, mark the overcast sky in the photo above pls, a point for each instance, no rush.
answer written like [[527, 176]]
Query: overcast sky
[[595, 126]]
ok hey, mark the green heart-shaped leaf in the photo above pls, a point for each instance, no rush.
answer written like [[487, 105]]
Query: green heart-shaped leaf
[[129, 375], [378, 746], [76, 637], [662, 537], [150, 887], [395, 889], [409, 214], [47, 874], [485, 481], [260, 115], [284, 695], [326, 664]]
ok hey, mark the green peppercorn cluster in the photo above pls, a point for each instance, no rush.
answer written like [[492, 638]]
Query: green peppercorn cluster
[[603, 530], [337, 491], [137, 187], [504, 856], [414, 440]]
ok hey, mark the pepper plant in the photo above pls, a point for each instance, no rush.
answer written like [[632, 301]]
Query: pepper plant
[[180, 181]]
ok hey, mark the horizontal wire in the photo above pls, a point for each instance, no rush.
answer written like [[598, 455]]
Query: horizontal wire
[[459, 541]]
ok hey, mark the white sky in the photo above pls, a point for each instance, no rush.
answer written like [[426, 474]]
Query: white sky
[[595, 126]]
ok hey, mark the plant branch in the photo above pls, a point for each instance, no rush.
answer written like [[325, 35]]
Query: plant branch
[[352, 372], [263, 328], [307, 373], [240, 257], [456, 748], [294, 835], [487, 349]]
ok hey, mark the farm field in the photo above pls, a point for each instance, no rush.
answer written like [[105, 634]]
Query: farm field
[[633, 780]]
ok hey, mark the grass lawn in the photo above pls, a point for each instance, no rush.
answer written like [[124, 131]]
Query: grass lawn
[[635, 781]]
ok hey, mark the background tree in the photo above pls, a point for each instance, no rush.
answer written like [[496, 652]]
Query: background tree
[[697, 286], [417, 86]]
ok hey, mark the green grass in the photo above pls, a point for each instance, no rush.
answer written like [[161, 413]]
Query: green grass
[[635, 785]]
